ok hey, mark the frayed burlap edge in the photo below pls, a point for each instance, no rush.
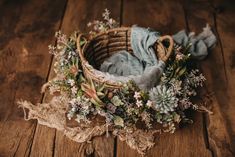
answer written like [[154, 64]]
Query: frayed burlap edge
[[53, 115]]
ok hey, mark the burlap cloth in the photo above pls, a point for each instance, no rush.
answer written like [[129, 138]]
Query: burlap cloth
[[53, 115]]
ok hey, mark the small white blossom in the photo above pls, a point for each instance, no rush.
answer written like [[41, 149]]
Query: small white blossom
[[149, 103], [137, 95], [106, 14], [101, 26], [139, 103], [74, 90], [71, 82]]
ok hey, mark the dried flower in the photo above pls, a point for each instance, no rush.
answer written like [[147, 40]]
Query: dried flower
[[176, 85], [101, 26], [195, 79], [110, 95], [61, 38], [74, 70], [110, 107], [179, 56], [177, 118], [146, 118], [185, 103], [52, 49]]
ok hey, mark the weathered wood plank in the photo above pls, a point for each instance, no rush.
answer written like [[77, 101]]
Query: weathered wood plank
[[225, 26], [77, 15], [25, 28], [168, 17], [218, 70]]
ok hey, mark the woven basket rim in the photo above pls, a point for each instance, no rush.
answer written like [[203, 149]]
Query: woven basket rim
[[88, 69]]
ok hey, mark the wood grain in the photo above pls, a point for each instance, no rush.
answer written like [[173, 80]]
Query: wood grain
[[77, 15], [25, 29], [218, 71], [168, 17], [28, 26], [225, 23]]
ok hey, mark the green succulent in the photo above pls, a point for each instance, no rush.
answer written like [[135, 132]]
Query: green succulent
[[118, 121], [116, 101], [164, 99]]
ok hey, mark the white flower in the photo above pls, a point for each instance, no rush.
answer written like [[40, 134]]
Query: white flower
[[139, 103], [137, 95], [105, 24], [106, 14], [149, 103], [71, 82], [74, 90]]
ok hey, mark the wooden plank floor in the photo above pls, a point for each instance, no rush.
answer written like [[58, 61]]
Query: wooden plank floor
[[28, 26]]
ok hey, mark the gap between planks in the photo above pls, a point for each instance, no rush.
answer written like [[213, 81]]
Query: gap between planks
[[50, 68]]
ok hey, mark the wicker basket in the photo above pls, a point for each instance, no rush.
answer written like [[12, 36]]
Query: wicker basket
[[103, 45]]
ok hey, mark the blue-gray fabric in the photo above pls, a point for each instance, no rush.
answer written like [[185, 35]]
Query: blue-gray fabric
[[199, 44], [144, 67]]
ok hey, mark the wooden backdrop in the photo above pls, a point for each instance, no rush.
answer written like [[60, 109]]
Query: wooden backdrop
[[27, 27]]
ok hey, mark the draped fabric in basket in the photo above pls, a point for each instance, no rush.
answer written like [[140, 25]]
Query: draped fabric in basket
[[144, 67]]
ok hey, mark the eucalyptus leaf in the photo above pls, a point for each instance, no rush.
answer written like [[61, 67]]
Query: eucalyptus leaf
[[100, 94], [82, 42], [182, 71]]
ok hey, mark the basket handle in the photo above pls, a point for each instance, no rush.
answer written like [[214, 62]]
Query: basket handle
[[79, 47], [161, 51]]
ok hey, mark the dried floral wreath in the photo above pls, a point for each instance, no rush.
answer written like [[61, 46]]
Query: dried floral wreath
[[123, 109], [126, 107]]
